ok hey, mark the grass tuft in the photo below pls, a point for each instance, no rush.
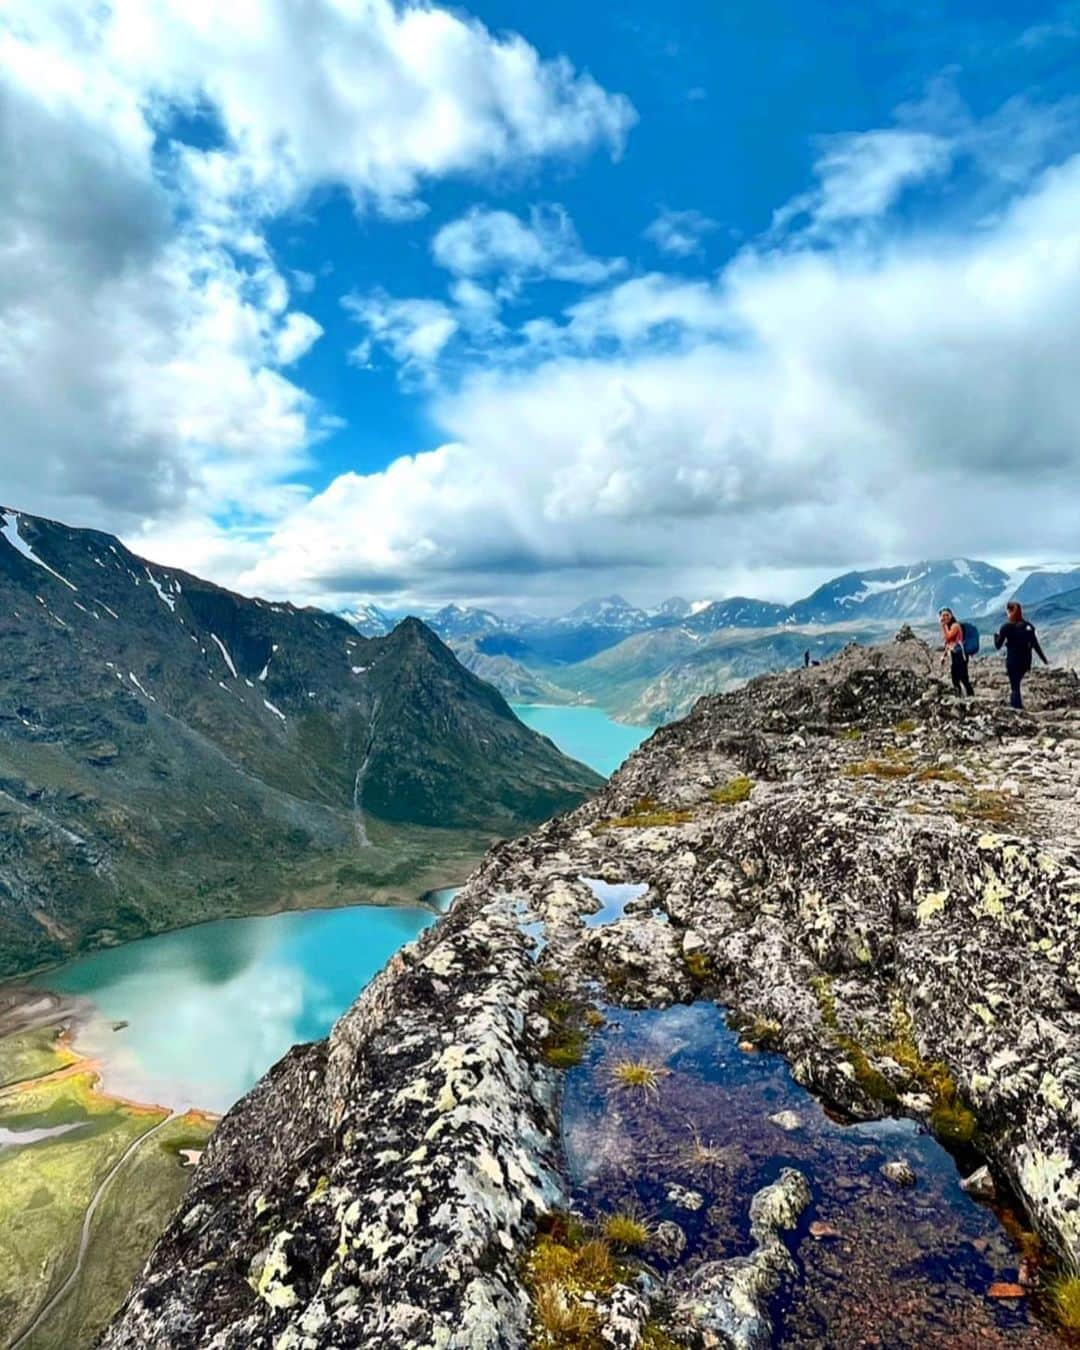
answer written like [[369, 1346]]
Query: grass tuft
[[563, 1320], [878, 768], [645, 814], [1065, 1301], [941, 773], [698, 964], [998, 808], [732, 792], [637, 1075], [626, 1230]]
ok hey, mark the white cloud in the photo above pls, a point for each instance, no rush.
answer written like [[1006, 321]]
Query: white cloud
[[144, 324], [485, 243], [413, 331], [862, 176], [826, 406], [297, 335], [680, 233]]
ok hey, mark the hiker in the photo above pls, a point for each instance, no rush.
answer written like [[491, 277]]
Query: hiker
[[1019, 639], [953, 634]]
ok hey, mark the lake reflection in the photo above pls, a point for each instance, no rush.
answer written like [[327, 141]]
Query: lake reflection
[[210, 1008]]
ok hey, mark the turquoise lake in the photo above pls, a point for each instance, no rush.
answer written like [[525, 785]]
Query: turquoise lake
[[587, 734], [208, 1009]]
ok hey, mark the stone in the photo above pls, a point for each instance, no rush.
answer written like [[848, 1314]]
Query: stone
[[980, 1185], [899, 1171], [820, 1230], [786, 1120], [683, 1197], [668, 1240]]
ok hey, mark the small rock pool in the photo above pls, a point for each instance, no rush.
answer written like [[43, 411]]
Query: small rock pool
[[881, 1264]]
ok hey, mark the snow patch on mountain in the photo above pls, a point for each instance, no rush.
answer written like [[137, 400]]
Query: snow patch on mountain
[[10, 531]]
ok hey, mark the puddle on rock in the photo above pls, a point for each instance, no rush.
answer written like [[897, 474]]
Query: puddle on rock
[[613, 897], [907, 1267]]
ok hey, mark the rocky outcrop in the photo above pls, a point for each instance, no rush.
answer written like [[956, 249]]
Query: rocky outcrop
[[878, 880]]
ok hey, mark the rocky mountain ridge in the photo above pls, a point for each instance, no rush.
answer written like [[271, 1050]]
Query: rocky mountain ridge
[[171, 751], [649, 666], [876, 879]]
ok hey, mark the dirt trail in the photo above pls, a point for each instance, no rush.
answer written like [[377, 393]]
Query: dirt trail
[[54, 1302]]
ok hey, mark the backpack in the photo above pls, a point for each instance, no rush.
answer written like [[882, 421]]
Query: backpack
[[971, 638]]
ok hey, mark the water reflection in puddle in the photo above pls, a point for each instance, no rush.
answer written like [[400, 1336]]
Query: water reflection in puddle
[[896, 1267], [613, 897]]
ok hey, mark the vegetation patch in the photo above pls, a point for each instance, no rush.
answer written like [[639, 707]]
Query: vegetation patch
[[941, 773], [564, 1045], [626, 1231], [654, 1337], [849, 734], [998, 808], [889, 766], [46, 1187], [764, 1032], [564, 1273], [638, 1075], [698, 964], [822, 986], [1064, 1293], [732, 792], [645, 814]]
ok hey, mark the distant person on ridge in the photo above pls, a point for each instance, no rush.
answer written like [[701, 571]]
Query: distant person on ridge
[[1019, 639], [953, 634]]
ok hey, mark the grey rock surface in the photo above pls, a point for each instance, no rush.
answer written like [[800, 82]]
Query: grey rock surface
[[881, 882]]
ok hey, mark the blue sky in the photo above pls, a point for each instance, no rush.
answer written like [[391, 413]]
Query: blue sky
[[519, 304]]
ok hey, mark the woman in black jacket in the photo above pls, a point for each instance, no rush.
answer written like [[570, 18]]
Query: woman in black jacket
[[1019, 639]]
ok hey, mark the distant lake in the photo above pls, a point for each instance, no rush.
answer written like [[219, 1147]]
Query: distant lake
[[585, 734], [210, 1008]]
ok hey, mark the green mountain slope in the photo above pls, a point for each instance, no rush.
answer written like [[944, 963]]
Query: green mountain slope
[[171, 751]]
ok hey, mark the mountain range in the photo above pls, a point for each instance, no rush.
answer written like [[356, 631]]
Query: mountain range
[[650, 665], [172, 751]]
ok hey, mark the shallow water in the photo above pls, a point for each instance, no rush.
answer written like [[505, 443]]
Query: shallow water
[[908, 1268], [209, 1009], [613, 897], [585, 734]]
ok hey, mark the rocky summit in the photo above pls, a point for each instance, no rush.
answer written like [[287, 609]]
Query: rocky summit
[[872, 877], [171, 751]]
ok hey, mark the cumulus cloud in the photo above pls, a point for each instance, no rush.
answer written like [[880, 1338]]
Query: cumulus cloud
[[862, 176], [826, 406], [680, 233], [485, 243], [145, 327]]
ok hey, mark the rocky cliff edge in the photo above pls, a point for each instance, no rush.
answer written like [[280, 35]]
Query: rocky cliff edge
[[876, 879]]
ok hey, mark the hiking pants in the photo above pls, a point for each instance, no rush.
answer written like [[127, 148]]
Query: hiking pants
[[960, 678], [1015, 674]]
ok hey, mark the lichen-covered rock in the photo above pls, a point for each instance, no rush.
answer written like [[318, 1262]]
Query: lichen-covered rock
[[724, 1303], [892, 900]]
